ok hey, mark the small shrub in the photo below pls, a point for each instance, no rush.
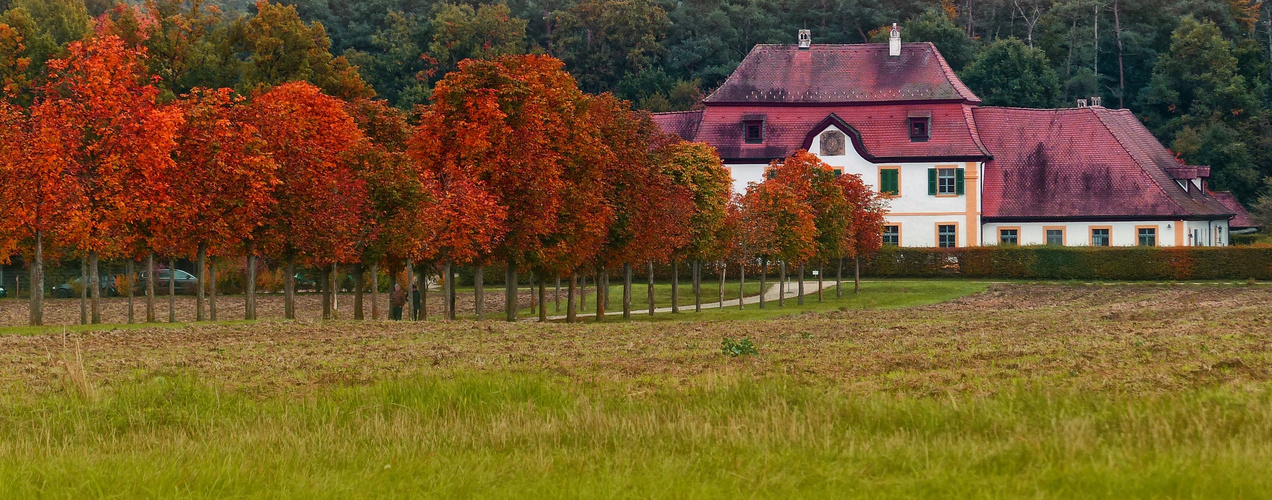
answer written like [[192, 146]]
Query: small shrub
[[734, 348]]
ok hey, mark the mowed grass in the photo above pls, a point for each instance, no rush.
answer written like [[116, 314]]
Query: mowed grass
[[1037, 391]]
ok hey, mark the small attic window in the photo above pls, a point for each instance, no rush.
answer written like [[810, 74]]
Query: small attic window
[[753, 131], [920, 128]]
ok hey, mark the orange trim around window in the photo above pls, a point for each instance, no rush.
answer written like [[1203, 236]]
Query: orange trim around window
[[1064, 234], [890, 167], [937, 229], [1009, 228], [1091, 234], [1157, 235]]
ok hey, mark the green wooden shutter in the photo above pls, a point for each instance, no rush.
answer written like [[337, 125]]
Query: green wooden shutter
[[958, 182], [932, 182]]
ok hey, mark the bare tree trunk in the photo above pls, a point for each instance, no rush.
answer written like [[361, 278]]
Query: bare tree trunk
[[724, 272], [95, 277], [479, 292], [172, 290], [84, 285], [150, 287], [604, 286], [651, 288], [335, 291], [571, 313], [821, 282], [857, 286], [375, 291], [250, 299], [799, 300], [839, 280], [510, 304], [627, 290], [132, 285], [36, 314], [763, 279], [1096, 64], [1121, 71], [289, 289], [543, 296], [420, 275], [675, 286], [697, 286], [534, 299], [557, 295], [212, 291], [359, 283], [583, 292], [393, 281], [781, 284], [452, 275], [600, 294], [326, 293], [200, 296], [742, 287]]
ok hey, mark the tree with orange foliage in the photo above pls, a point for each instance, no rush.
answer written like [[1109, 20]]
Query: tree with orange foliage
[[775, 223], [320, 200], [222, 184], [816, 185], [515, 127], [98, 121], [698, 168], [865, 235]]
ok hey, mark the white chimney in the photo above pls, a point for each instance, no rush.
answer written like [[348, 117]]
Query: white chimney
[[1082, 103], [805, 39], [894, 41], [1097, 101]]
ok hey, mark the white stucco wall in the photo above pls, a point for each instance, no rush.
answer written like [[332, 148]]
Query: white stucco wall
[[1121, 233]]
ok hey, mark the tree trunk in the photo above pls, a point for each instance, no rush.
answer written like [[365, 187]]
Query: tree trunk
[[150, 287], [557, 295], [724, 274], [600, 294], [781, 284], [742, 287], [132, 285], [697, 286], [172, 290], [393, 282], [627, 290], [325, 280], [839, 280], [763, 279], [84, 285], [200, 296], [603, 286], [359, 283], [651, 288], [419, 274], [510, 302], [335, 291], [451, 275], [534, 299], [250, 299], [212, 291], [675, 286], [857, 275], [1096, 63], [36, 314], [479, 292], [571, 313], [799, 300], [289, 290], [375, 291], [95, 278], [1121, 71], [583, 292], [821, 283], [543, 296]]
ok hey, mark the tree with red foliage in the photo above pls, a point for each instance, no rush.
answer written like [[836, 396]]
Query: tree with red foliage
[[223, 181], [776, 224], [99, 122], [865, 235], [698, 168], [320, 200], [515, 127], [816, 185]]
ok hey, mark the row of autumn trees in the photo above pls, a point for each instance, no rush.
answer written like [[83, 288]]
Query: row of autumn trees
[[510, 164]]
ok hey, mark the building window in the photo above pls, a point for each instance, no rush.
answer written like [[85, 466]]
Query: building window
[[1147, 236], [1100, 237], [892, 236], [754, 131], [890, 182], [1055, 237], [947, 236], [919, 129], [833, 143], [945, 181], [1008, 236]]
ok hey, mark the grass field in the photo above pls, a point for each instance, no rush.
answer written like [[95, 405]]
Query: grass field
[[914, 389]]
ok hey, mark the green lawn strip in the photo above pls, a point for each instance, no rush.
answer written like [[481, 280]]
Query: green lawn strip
[[507, 434]]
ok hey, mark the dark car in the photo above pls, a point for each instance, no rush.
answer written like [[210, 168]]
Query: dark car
[[68, 289], [186, 283]]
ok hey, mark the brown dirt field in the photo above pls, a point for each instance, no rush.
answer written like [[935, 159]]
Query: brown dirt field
[[1125, 339]]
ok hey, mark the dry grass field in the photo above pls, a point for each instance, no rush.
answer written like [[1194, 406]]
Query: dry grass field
[[1019, 390]]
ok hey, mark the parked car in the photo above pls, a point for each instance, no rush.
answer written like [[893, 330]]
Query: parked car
[[70, 288], [186, 283]]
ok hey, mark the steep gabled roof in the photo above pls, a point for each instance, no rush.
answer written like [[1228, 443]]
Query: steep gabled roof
[[1242, 218], [682, 123], [841, 74], [1082, 163]]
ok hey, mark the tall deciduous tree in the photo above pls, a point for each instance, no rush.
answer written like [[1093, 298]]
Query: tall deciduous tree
[[280, 47], [698, 168], [865, 235], [777, 224], [1010, 73], [98, 119], [814, 184]]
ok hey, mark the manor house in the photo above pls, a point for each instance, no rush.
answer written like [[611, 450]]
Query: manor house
[[957, 173]]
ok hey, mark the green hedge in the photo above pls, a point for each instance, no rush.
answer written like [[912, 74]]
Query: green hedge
[[1070, 263]]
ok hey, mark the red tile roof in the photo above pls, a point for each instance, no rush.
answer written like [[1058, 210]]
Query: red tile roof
[[1242, 218], [883, 133], [1090, 163], [841, 74]]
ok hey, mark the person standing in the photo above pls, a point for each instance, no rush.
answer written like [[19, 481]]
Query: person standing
[[396, 301], [415, 302]]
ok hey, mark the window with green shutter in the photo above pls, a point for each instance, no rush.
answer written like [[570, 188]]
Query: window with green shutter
[[959, 182], [890, 182], [931, 182]]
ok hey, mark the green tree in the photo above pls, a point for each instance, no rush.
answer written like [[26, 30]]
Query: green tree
[[394, 66], [1009, 73], [280, 47], [602, 41], [461, 32], [935, 26]]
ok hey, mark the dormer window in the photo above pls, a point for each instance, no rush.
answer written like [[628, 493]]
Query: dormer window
[[920, 128], [753, 131]]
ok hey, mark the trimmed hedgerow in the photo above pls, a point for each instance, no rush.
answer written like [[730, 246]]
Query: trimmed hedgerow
[[1069, 263]]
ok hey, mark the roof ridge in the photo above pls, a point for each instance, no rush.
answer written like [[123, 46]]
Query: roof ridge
[[1135, 155], [678, 112]]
